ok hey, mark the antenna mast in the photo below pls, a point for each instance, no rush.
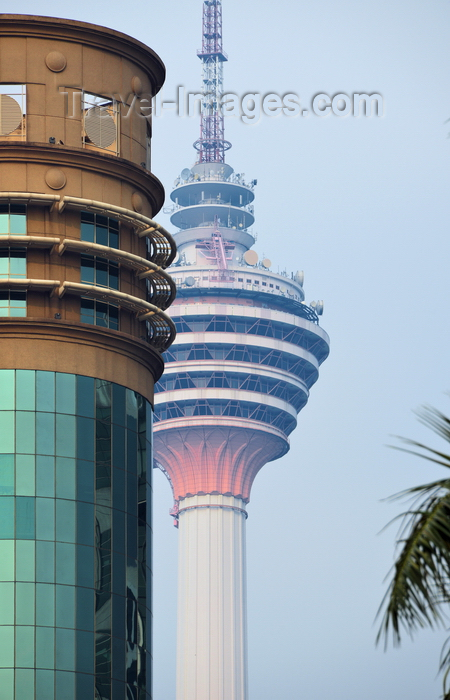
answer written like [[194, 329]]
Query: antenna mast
[[211, 145]]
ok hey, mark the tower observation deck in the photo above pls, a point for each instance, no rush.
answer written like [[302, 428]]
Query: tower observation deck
[[247, 352]]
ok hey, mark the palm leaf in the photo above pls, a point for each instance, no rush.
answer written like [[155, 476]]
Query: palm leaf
[[419, 593]]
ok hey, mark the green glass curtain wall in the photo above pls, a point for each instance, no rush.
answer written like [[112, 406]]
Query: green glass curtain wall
[[74, 585]]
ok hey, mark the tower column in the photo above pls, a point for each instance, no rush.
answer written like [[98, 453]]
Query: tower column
[[212, 644]]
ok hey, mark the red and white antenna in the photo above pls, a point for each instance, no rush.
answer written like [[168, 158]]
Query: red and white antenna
[[211, 145]]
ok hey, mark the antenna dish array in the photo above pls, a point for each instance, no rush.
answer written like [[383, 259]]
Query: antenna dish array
[[185, 174], [317, 306], [299, 277], [266, 263], [250, 257]]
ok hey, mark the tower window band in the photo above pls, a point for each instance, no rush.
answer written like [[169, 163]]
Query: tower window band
[[99, 229], [13, 219]]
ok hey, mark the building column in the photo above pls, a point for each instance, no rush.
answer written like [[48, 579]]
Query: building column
[[212, 620]]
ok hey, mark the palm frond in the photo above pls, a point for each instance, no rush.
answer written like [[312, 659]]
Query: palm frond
[[421, 582]]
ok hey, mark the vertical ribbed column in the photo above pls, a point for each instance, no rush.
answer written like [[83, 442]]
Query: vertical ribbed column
[[212, 648]]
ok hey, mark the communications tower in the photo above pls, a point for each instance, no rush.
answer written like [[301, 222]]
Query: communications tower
[[247, 351]]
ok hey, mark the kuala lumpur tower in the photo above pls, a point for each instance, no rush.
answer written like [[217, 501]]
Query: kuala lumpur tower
[[247, 351]]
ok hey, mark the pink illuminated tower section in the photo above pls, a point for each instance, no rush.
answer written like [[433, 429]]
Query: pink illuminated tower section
[[247, 351]]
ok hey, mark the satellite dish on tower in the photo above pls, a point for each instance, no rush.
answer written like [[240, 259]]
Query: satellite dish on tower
[[251, 257], [299, 277], [266, 263], [190, 281], [185, 174]]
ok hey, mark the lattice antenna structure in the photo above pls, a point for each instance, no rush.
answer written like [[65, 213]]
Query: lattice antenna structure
[[211, 145]]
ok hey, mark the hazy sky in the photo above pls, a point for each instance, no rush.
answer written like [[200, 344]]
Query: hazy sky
[[361, 205]]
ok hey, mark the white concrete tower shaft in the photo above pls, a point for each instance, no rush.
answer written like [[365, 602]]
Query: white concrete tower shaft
[[212, 642]]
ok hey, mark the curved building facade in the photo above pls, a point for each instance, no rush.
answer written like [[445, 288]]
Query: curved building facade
[[83, 294]]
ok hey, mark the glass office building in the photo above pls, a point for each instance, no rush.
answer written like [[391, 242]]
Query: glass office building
[[73, 528], [82, 331]]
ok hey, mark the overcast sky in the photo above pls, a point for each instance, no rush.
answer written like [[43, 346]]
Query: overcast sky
[[362, 206]]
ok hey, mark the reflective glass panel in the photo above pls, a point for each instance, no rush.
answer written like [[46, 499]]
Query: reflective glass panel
[[25, 647], [25, 560], [6, 647], [45, 684], [45, 388], [45, 647], [45, 433], [45, 518], [65, 650], [25, 389], [25, 432], [65, 606], [65, 563], [7, 392], [65, 477], [6, 517], [45, 604], [65, 435], [7, 603], [45, 562], [65, 520], [6, 678], [65, 685], [65, 393], [25, 475], [24, 683], [7, 431], [25, 518], [45, 476], [6, 475], [24, 603]]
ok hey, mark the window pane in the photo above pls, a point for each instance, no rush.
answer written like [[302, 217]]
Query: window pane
[[25, 389], [87, 231], [25, 518], [6, 475], [45, 388], [25, 604], [45, 647], [65, 520], [18, 224], [65, 477], [24, 682], [45, 475], [45, 562], [25, 560], [6, 517], [6, 647], [7, 392], [25, 475], [65, 652], [45, 433], [65, 393], [6, 604], [45, 518], [25, 432], [25, 646], [4, 223], [45, 681], [45, 604], [65, 563], [65, 435], [65, 606], [85, 396], [7, 430]]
